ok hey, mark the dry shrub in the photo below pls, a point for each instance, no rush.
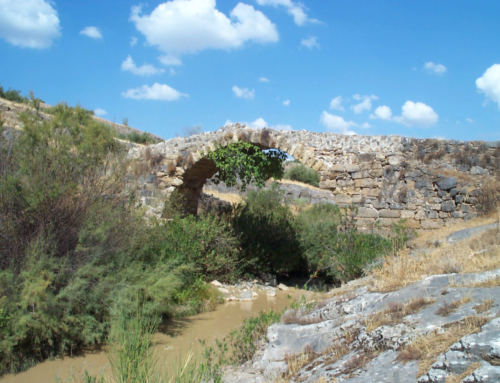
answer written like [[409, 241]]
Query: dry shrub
[[426, 348], [449, 308], [488, 200], [179, 160], [156, 159], [242, 136], [297, 317], [395, 312], [459, 378], [140, 168], [296, 363], [265, 135], [402, 270], [228, 136], [171, 168], [483, 306], [358, 361]]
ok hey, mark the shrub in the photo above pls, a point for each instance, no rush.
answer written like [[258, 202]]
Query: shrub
[[333, 246], [301, 173], [267, 231]]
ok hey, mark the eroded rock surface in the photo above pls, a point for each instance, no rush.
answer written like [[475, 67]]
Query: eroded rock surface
[[343, 347]]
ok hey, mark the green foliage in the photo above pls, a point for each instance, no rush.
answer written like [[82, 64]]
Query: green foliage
[[334, 247], [240, 345], [139, 138], [12, 95], [247, 163], [301, 173], [267, 231], [74, 250]]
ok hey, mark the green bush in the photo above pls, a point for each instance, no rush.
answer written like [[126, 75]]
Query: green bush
[[266, 227], [301, 173], [75, 251], [12, 95], [332, 245]]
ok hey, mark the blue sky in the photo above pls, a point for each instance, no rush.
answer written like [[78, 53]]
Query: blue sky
[[420, 69]]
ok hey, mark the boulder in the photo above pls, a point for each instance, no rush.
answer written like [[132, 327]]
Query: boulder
[[216, 283], [478, 171], [447, 183], [281, 286], [448, 206], [246, 296]]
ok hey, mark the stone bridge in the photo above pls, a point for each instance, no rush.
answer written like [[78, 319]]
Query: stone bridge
[[429, 182]]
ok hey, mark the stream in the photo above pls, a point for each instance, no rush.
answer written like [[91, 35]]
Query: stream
[[178, 338]]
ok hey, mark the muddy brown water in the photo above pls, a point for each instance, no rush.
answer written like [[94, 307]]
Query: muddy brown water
[[178, 338]]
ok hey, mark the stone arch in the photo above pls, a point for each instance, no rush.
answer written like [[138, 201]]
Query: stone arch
[[196, 168]]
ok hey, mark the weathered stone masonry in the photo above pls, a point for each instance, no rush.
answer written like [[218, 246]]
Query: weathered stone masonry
[[429, 182]]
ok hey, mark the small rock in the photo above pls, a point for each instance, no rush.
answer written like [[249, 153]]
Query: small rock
[[231, 298], [271, 293], [216, 283], [281, 286], [254, 295], [223, 290], [246, 296]]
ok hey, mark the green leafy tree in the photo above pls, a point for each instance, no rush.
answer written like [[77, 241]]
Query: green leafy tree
[[247, 163]]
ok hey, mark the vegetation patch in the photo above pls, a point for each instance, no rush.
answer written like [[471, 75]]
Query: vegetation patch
[[483, 306], [301, 173], [449, 308], [426, 348], [395, 312]]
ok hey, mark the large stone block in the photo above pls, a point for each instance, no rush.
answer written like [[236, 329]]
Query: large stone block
[[447, 183], [367, 212], [386, 213], [429, 224], [448, 206], [364, 183], [328, 184]]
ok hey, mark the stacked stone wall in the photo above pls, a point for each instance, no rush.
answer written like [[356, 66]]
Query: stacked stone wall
[[431, 183]]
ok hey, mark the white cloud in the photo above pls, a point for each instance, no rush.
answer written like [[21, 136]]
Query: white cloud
[[382, 113], [172, 72], [336, 123], [417, 114], [29, 23], [438, 69], [296, 10], [182, 27], [144, 70], [133, 41], [244, 93], [469, 120], [365, 104], [366, 125], [157, 91], [100, 112], [489, 83], [286, 103], [263, 79], [336, 103], [92, 32], [311, 42]]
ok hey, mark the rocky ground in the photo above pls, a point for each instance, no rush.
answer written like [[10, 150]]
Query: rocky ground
[[249, 290], [444, 328]]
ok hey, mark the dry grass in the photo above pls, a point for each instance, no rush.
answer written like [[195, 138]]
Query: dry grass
[[427, 348], [395, 312], [483, 306], [357, 361], [487, 283], [426, 238], [296, 317], [449, 308], [459, 378], [290, 182], [229, 197], [296, 363], [463, 257]]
